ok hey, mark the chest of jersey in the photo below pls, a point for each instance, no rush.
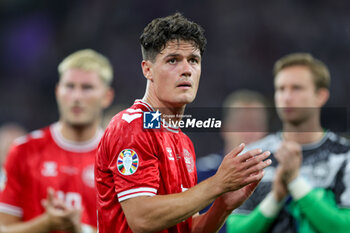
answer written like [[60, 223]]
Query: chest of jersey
[[176, 164], [70, 174]]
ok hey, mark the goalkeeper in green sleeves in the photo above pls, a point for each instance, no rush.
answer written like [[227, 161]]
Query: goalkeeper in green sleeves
[[307, 187]]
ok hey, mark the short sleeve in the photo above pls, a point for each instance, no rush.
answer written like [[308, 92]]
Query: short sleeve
[[134, 163], [345, 196], [10, 185]]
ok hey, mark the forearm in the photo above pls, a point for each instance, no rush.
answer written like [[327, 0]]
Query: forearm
[[164, 211], [212, 220], [320, 209], [38, 225]]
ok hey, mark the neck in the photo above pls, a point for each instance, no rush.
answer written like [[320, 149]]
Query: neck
[[169, 111], [303, 133], [78, 133]]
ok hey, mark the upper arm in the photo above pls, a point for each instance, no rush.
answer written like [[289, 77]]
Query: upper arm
[[7, 219], [11, 184], [133, 163]]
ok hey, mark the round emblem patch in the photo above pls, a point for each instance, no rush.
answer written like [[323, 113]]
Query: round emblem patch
[[189, 161], [127, 162], [89, 176]]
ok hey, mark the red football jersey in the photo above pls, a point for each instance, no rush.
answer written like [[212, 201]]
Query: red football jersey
[[132, 162], [45, 159]]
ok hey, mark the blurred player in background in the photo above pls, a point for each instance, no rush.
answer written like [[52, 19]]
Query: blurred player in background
[[49, 185], [146, 179], [8, 133], [307, 188], [245, 119]]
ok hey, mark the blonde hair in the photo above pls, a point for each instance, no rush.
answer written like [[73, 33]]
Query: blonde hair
[[319, 70], [88, 60]]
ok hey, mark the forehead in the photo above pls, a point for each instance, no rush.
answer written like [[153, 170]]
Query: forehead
[[80, 75], [298, 74], [180, 47]]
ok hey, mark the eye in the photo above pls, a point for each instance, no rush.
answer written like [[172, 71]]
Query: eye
[[87, 87], [194, 61], [69, 85], [297, 88], [172, 61]]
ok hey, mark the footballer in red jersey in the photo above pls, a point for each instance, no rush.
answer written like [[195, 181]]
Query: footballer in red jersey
[[146, 179], [31, 168], [146, 163], [48, 184]]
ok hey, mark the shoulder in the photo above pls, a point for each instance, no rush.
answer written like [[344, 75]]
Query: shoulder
[[337, 139], [127, 120], [28, 145], [126, 128], [33, 139], [335, 144]]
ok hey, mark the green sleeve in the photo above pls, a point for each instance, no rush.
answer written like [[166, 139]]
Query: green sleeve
[[322, 212], [255, 222]]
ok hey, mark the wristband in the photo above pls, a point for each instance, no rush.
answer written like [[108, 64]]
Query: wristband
[[298, 188], [269, 207]]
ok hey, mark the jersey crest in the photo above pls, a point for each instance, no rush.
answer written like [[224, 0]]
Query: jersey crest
[[88, 176], [188, 161], [128, 162]]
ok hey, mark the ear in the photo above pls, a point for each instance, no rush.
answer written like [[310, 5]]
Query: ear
[[108, 98], [146, 66], [323, 96]]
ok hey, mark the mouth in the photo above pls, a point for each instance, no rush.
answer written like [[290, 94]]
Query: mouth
[[77, 110], [185, 85]]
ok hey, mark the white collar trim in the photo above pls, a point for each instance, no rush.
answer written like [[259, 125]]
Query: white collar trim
[[79, 147]]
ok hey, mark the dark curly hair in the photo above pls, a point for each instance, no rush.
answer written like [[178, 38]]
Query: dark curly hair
[[173, 27]]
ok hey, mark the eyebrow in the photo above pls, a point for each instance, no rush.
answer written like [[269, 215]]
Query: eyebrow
[[177, 54]]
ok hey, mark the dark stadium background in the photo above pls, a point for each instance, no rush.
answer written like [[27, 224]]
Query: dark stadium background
[[244, 40]]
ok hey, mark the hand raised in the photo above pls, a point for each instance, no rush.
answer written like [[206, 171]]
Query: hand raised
[[289, 156], [236, 171], [61, 217]]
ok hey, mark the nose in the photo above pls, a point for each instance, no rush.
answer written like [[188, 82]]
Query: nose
[[286, 96], [186, 69], [77, 93]]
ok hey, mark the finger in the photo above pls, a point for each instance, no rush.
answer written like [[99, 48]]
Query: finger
[[255, 178], [44, 203], [258, 167], [50, 194], [59, 204], [250, 154], [236, 150], [257, 159]]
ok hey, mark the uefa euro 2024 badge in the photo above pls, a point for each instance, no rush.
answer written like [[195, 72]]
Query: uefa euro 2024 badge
[[127, 162]]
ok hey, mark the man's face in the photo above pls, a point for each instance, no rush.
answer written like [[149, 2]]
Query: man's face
[[175, 73], [296, 97], [246, 122], [81, 97]]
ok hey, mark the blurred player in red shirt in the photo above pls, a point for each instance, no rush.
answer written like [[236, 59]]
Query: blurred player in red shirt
[[146, 178], [48, 182]]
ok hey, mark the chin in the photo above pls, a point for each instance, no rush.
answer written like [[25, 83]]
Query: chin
[[79, 123]]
